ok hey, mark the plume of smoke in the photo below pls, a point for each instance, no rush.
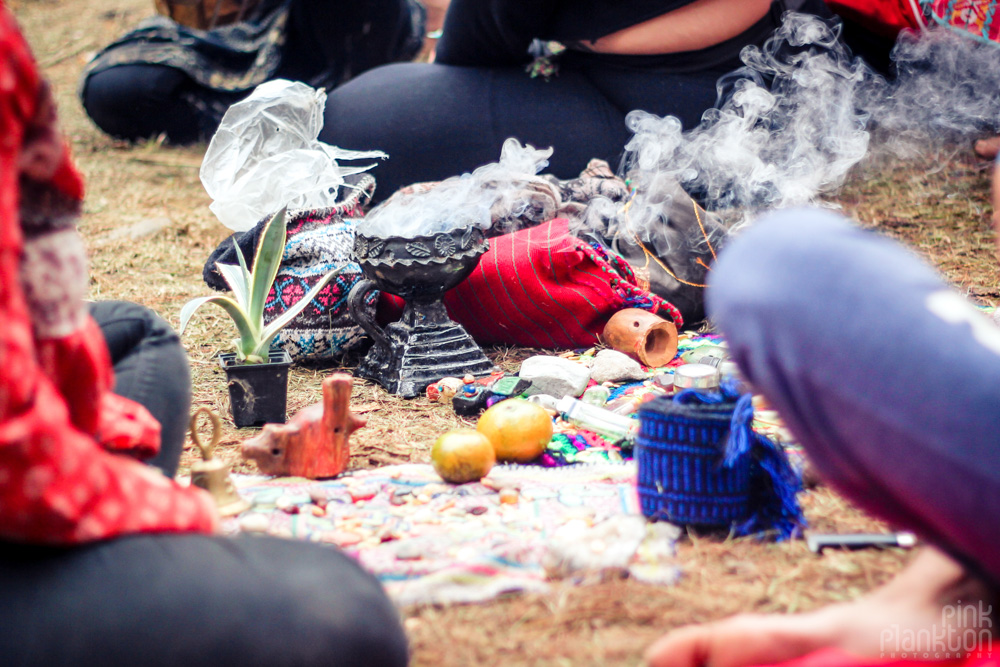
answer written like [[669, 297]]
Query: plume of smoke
[[789, 127], [801, 113], [947, 91], [463, 200]]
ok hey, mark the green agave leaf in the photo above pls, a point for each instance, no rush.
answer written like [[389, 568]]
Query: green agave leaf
[[278, 323], [270, 249], [248, 341], [234, 277], [247, 278]]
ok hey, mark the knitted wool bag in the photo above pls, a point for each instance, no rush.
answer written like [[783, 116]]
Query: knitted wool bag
[[317, 241], [700, 464]]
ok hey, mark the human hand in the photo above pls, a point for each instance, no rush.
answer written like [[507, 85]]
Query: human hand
[[988, 148]]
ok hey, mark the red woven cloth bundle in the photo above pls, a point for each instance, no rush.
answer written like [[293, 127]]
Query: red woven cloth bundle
[[543, 287]]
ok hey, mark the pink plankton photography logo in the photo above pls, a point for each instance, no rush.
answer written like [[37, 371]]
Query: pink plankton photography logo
[[963, 631]]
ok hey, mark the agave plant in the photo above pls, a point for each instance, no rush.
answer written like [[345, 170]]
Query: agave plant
[[250, 290]]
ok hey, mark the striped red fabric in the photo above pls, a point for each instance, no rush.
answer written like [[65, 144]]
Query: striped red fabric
[[542, 287]]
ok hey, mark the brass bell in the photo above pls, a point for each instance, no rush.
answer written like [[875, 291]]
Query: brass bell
[[212, 474]]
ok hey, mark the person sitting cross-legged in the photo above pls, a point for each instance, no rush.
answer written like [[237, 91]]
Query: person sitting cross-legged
[[104, 559], [889, 380]]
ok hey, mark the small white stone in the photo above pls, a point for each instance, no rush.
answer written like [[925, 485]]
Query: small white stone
[[255, 522], [614, 366]]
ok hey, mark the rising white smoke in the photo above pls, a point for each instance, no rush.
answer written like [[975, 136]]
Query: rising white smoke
[[460, 201], [802, 113], [947, 92]]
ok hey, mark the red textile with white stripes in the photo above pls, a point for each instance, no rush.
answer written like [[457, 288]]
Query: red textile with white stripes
[[543, 287]]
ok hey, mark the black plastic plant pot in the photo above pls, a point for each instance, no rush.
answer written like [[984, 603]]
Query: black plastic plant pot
[[258, 393]]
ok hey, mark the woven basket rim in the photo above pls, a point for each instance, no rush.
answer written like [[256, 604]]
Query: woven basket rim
[[665, 406]]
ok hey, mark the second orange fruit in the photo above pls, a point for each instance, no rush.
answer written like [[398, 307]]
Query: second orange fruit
[[518, 429]]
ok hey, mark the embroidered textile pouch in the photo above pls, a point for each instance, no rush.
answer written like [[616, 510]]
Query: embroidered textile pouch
[[318, 240], [543, 287]]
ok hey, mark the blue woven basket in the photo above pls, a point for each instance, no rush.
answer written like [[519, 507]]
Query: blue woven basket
[[682, 477]]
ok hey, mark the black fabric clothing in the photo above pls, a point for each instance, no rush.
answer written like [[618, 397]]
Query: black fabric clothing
[[442, 119], [498, 32], [165, 77], [184, 599], [193, 601], [873, 48], [235, 57], [436, 121], [137, 102], [151, 368]]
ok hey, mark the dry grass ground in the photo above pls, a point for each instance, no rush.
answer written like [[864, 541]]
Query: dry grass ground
[[939, 208]]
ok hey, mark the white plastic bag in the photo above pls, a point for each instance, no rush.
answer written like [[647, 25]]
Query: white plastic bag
[[266, 155]]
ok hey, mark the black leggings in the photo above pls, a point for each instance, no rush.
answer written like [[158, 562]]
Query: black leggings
[[186, 600], [192, 600], [326, 43], [151, 368], [436, 120]]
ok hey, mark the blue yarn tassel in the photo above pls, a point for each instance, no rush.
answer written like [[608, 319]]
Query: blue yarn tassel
[[773, 493]]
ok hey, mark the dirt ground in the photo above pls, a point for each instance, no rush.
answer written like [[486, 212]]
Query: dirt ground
[[937, 206]]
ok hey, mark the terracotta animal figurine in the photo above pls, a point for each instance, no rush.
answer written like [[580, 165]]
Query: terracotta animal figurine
[[313, 443]]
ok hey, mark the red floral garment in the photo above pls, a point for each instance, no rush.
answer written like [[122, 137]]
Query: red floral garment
[[888, 17], [58, 484], [885, 17]]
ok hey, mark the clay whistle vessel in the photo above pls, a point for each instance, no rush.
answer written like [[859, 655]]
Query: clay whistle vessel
[[314, 443], [646, 337]]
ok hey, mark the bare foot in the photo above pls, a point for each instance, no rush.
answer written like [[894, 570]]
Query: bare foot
[[747, 639], [988, 148], [915, 600]]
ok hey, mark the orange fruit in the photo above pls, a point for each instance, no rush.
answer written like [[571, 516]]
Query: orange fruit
[[462, 455], [519, 429]]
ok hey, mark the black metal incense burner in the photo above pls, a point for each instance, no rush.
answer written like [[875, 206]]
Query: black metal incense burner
[[425, 345]]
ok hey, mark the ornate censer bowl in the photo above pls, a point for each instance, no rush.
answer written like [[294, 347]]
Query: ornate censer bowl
[[425, 345]]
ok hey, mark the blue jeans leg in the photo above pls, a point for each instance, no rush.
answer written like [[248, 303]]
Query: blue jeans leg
[[889, 379], [151, 368]]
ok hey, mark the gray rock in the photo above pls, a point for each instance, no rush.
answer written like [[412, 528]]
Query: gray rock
[[614, 366], [409, 551], [254, 522], [555, 376]]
